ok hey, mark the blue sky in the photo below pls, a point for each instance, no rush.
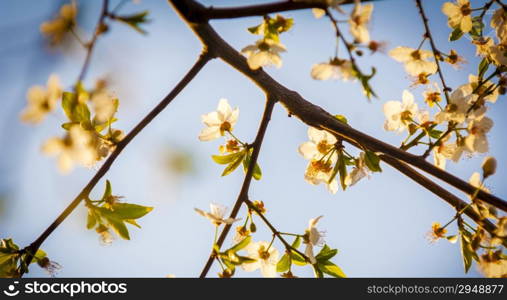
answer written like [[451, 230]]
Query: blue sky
[[379, 225]]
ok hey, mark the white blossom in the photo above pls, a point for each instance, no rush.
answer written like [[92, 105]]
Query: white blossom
[[216, 214], [266, 259], [218, 122], [263, 53]]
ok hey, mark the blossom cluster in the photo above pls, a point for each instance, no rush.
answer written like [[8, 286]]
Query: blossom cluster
[[88, 139]]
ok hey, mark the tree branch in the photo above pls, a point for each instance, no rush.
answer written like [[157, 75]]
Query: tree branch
[[199, 64], [262, 9], [91, 44], [309, 113], [243, 194]]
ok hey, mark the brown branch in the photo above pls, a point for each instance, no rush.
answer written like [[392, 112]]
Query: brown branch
[[90, 46], [310, 113], [199, 64], [243, 194], [261, 9]]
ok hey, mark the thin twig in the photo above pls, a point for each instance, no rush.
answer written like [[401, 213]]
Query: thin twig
[[275, 232], [436, 53], [243, 194], [199, 64], [91, 45]]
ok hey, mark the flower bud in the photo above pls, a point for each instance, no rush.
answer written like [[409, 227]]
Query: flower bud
[[488, 166]]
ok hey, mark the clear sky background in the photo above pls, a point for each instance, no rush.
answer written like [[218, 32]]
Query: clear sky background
[[379, 225]]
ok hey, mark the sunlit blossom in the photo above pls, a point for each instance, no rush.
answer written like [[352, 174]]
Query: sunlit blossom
[[216, 214], [459, 14], [42, 100], [415, 61], [266, 258], [313, 237], [219, 122], [264, 53]]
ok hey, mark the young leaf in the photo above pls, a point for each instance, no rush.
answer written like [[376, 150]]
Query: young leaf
[[466, 250], [331, 269], [342, 169], [435, 133], [226, 159], [69, 101], [125, 211], [257, 173], [297, 242], [456, 34], [372, 161], [233, 165], [283, 264], [119, 227], [134, 20], [91, 220], [108, 191], [297, 258], [483, 67], [239, 246], [326, 253]]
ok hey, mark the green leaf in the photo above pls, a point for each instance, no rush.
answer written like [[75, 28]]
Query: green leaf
[[91, 220], [331, 269], [335, 171], [342, 169], [244, 260], [8, 246], [317, 271], [130, 211], [228, 264], [226, 159], [119, 227], [466, 250], [134, 20], [326, 253], [297, 258], [69, 101], [82, 113], [108, 191], [75, 111], [365, 82], [297, 242], [435, 133], [483, 68], [254, 29], [244, 242], [372, 161], [5, 259], [257, 173], [456, 34], [233, 165], [283, 264], [133, 222], [477, 27]]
